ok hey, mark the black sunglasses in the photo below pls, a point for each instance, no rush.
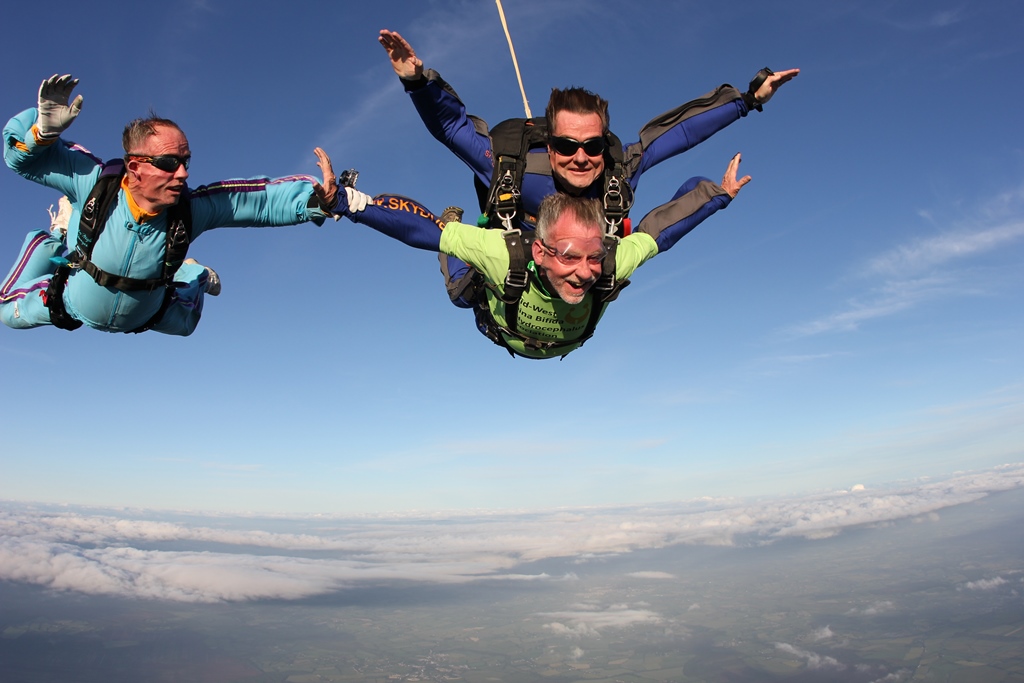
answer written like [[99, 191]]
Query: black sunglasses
[[567, 147], [168, 163]]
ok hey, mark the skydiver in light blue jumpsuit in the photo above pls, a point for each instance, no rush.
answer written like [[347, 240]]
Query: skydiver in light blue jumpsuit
[[131, 247]]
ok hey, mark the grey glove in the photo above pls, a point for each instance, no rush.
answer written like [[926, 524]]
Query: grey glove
[[55, 114]]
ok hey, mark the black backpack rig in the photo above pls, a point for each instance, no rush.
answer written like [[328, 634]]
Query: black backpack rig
[[502, 208], [511, 142], [93, 220]]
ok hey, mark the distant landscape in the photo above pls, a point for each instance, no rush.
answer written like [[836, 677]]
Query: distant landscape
[[934, 598]]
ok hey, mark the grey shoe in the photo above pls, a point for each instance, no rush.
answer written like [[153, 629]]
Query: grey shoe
[[452, 214], [212, 279], [59, 221]]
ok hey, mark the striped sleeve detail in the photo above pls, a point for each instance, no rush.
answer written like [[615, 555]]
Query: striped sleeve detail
[[247, 185], [75, 147], [293, 179]]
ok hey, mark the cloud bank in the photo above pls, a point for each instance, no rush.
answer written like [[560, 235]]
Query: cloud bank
[[591, 620], [986, 584], [141, 554]]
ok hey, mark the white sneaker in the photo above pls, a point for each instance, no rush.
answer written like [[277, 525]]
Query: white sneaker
[[212, 279], [59, 221]]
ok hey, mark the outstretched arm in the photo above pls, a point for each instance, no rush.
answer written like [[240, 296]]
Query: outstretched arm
[[267, 202], [694, 202], [686, 126], [439, 106], [403, 58]]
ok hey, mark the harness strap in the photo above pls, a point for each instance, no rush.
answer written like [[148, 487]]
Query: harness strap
[[121, 283], [98, 204], [53, 298], [618, 193], [606, 289], [511, 140], [517, 278]]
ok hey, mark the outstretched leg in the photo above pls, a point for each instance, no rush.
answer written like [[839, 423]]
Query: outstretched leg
[[410, 222], [458, 276], [21, 293], [194, 282]]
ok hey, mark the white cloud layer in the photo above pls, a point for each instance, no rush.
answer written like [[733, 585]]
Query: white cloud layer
[[590, 622], [986, 584], [651, 575], [814, 660], [926, 269], [924, 254], [823, 633], [874, 608], [140, 554]]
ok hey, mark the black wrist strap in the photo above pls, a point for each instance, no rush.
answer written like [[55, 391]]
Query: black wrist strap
[[749, 97]]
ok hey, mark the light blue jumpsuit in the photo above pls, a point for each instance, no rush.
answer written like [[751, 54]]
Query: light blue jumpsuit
[[127, 247]]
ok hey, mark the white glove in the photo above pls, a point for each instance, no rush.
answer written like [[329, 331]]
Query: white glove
[[55, 114], [357, 201]]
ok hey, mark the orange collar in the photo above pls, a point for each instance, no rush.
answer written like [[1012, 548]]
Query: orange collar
[[138, 214]]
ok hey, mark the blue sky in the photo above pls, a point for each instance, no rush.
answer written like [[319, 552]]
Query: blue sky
[[853, 318]]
